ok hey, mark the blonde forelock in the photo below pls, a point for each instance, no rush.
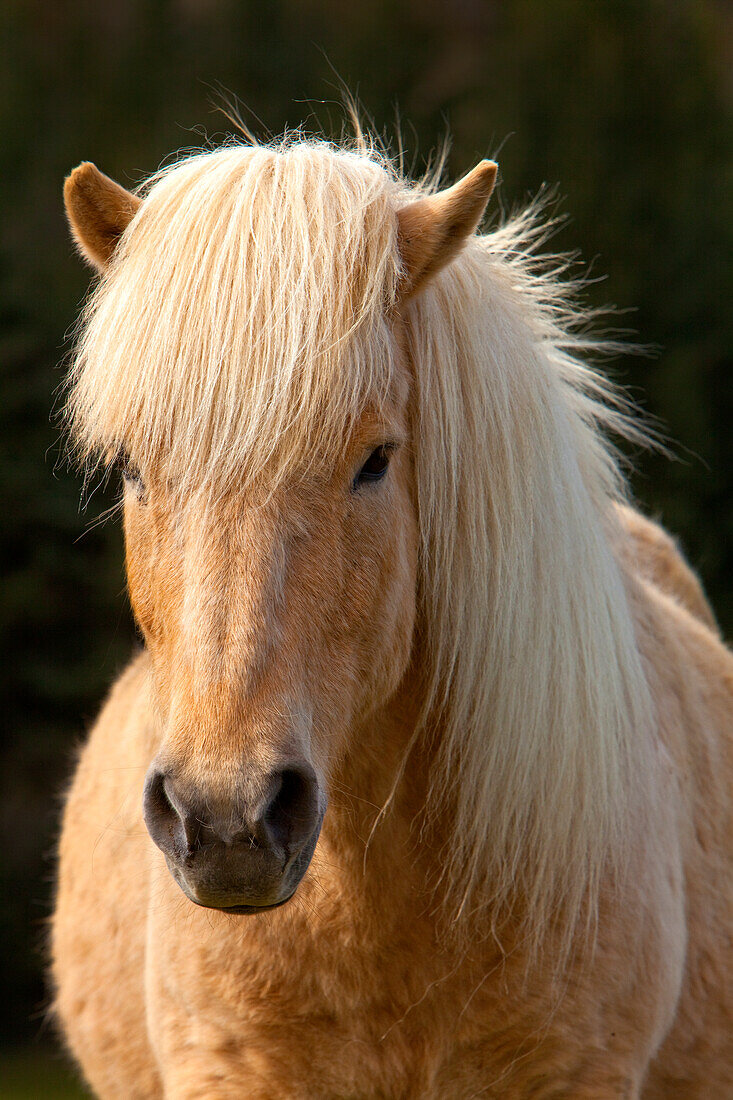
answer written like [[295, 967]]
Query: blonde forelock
[[242, 324]]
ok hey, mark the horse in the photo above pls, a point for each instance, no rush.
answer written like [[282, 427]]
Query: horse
[[419, 785]]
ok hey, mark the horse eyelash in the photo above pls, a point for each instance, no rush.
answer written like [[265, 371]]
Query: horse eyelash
[[129, 472]]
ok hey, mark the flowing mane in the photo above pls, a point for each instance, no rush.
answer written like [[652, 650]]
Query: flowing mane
[[241, 328]]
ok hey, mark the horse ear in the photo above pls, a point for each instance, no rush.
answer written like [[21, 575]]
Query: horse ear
[[99, 211], [432, 231]]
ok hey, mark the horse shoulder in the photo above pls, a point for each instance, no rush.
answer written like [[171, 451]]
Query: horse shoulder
[[691, 674], [98, 931], [656, 556]]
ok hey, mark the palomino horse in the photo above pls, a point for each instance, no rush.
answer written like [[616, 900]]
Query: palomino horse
[[431, 730]]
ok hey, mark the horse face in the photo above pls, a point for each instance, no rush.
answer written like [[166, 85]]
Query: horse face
[[280, 618], [278, 622]]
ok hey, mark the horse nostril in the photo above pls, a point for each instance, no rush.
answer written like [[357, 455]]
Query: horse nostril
[[292, 812], [168, 824]]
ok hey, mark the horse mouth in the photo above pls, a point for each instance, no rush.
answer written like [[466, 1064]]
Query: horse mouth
[[243, 909]]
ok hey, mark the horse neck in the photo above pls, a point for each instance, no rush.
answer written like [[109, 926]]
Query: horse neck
[[376, 822]]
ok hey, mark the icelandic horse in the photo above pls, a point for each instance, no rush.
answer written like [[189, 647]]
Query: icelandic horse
[[420, 786]]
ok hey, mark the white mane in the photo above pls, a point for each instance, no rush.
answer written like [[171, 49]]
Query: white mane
[[534, 662]]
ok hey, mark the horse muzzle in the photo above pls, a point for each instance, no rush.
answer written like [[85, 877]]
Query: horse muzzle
[[237, 856]]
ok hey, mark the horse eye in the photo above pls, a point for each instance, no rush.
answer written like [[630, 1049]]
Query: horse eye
[[130, 472], [375, 466]]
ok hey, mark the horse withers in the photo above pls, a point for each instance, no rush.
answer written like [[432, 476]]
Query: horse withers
[[420, 785]]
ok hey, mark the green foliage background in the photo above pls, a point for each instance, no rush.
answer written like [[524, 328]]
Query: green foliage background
[[626, 105]]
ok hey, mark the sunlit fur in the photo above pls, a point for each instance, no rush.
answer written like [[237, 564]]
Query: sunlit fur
[[522, 909], [532, 653]]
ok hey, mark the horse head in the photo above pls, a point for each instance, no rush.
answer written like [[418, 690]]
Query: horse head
[[277, 599]]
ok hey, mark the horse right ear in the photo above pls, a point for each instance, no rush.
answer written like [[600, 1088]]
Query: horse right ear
[[99, 211]]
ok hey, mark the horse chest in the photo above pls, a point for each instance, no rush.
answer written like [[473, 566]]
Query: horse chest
[[306, 1018], [298, 1017]]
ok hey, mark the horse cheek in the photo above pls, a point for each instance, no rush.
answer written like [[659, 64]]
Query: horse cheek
[[146, 600]]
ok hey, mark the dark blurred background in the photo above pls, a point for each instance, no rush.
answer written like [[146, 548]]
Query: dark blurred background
[[626, 105]]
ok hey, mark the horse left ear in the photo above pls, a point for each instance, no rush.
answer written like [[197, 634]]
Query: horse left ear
[[99, 211], [433, 230]]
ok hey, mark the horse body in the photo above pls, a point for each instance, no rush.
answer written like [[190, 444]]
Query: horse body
[[291, 623], [351, 992]]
